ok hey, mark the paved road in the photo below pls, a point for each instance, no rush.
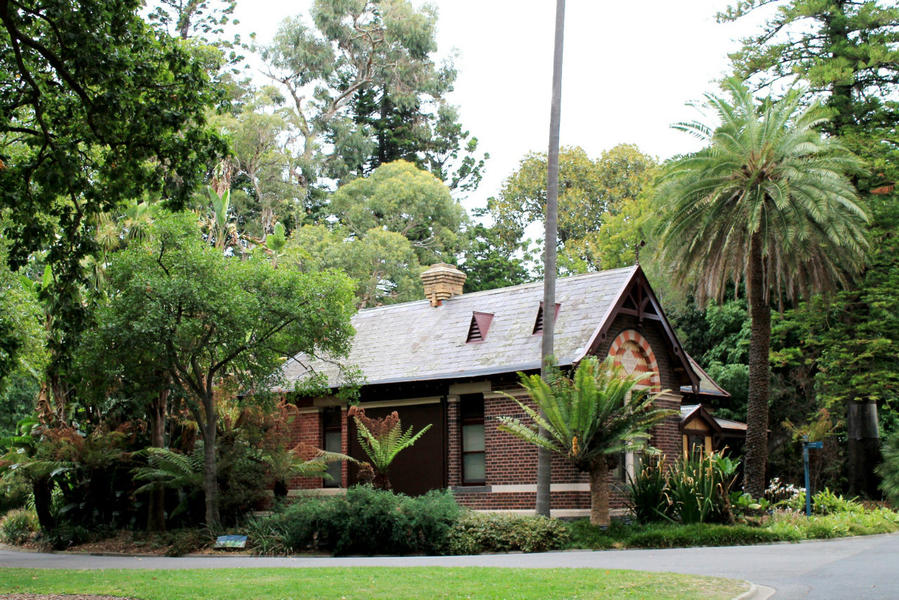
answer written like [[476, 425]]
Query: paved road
[[849, 568]]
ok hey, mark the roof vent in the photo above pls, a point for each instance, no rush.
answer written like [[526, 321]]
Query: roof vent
[[538, 323], [442, 282], [477, 330]]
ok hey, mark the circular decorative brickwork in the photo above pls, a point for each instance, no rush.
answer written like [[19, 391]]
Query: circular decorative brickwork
[[632, 352]]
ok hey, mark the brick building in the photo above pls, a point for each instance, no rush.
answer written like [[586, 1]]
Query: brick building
[[450, 360]]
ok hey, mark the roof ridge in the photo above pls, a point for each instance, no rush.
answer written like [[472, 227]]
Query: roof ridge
[[508, 288]]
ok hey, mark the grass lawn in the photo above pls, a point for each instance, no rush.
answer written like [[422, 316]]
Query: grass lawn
[[370, 582]]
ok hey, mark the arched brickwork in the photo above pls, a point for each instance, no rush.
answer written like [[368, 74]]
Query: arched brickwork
[[631, 351]]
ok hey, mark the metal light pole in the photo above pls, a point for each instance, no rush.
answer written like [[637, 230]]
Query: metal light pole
[[549, 250]]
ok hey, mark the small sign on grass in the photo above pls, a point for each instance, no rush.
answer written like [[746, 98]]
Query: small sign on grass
[[231, 541]]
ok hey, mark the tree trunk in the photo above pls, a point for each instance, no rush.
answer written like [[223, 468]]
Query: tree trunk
[[759, 347], [599, 493], [544, 459], [210, 484], [381, 481], [864, 448], [156, 507], [42, 494]]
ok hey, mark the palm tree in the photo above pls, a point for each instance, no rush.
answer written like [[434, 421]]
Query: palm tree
[[767, 201], [588, 420]]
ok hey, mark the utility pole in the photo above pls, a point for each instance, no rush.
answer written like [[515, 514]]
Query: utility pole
[[544, 475]]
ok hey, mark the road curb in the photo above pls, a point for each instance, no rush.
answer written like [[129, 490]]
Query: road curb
[[756, 592]]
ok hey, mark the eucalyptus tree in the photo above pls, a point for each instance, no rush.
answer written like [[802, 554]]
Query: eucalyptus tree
[[363, 89], [587, 419], [766, 201]]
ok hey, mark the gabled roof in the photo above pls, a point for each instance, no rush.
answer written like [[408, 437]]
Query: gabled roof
[[707, 385], [688, 412], [415, 341]]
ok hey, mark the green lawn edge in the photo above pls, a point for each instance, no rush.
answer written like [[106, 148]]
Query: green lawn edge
[[359, 583]]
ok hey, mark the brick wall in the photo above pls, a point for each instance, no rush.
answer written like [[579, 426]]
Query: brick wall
[[454, 442], [306, 429]]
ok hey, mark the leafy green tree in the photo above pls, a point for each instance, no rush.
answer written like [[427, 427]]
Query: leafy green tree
[[382, 264], [193, 19], [588, 419], [264, 182], [401, 198], [590, 193], [381, 440], [488, 263], [96, 109], [768, 200], [364, 90], [216, 325], [846, 51]]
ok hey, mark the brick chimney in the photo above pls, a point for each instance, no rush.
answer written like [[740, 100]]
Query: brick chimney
[[442, 282]]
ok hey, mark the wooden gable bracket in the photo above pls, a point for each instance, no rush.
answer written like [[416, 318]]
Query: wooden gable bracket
[[637, 299]]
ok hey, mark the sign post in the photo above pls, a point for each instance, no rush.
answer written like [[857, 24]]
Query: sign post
[[808, 492]]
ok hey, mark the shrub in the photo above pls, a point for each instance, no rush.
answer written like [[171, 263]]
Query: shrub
[[825, 502], [66, 535], [475, 533], [669, 535], [185, 541], [699, 534], [365, 521], [695, 489], [18, 526], [699, 488], [779, 492], [265, 537], [646, 492], [889, 469]]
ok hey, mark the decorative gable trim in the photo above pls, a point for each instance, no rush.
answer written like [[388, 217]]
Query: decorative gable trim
[[638, 300], [477, 329], [632, 352]]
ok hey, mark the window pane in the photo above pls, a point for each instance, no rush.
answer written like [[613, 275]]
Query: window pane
[[473, 468], [332, 444], [473, 438], [332, 441]]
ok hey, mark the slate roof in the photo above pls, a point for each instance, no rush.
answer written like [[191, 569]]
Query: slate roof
[[415, 341], [707, 385]]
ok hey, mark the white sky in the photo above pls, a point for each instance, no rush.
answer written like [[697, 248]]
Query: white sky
[[629, 69]]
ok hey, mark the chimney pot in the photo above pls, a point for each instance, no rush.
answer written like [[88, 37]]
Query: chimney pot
[[441, 282]]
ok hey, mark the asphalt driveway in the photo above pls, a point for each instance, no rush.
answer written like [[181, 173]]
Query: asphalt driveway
[[848, 568]]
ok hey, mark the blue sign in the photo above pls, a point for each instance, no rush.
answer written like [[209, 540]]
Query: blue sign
[[817, 445]]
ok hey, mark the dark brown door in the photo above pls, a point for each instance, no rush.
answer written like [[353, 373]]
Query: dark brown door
[[419, 468]]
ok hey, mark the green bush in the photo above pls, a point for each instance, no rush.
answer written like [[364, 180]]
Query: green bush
[[646, 492], [699, 534], [670, 535], [185, 541], [475, 533], [67, 535], [889, 469], [365, 521], [699, 488], [825, 502], [695, 489], [17, 526]]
